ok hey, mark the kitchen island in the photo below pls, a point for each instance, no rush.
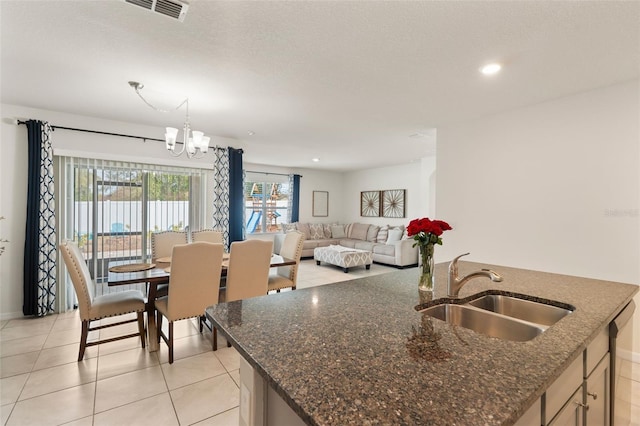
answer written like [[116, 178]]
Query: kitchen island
[[358, 352]]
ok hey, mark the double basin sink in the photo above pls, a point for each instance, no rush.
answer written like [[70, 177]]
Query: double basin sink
[[509, 317]]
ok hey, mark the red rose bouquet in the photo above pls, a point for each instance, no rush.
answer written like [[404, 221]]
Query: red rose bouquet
[[426, 233]]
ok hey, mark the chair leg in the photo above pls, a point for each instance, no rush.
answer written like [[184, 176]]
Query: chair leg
[[170, 342], [83, 339], [214, 345], [158, 325], [141, 327], [201, 321]]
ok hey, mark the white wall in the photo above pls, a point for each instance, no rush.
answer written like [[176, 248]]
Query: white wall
[[553, 187], [415, 177]]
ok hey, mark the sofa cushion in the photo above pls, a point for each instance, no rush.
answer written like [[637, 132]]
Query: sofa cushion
[[326, 228], [316, 231], [364, 245], [385, 249], [337, 231], [288, 227], [347, 230], [359, 231], [309, 244], [348, 243], [304, 228], [394, 235], [372, 233], [383, 234]]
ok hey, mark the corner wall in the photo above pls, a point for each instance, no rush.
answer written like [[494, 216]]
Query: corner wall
[[415, 177], [553, 187]]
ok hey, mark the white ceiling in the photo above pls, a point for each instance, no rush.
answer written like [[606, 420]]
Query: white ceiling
[[348, 82]]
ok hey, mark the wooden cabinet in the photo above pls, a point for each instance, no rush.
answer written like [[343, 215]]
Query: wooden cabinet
[[580, 396], [572, 413], [597, 394]]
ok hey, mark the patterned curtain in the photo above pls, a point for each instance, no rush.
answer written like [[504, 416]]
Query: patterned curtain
[[221, 194], [40, 250]]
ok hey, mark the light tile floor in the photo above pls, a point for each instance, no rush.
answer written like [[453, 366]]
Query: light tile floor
[[120, 383]]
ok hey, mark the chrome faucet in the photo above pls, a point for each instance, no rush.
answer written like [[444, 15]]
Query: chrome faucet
[[455, 283]]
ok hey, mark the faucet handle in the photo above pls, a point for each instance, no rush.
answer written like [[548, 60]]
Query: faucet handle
[[453, 266], [455, 259]]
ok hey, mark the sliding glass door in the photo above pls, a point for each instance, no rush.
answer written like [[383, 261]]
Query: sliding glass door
[[111, 208]]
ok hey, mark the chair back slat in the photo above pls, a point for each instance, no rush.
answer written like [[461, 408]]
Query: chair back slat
[[195, 279], [80, 276], [162, 243], [248, 271], [208, 235], [292, 249]]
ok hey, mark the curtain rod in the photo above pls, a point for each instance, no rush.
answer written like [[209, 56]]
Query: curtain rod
[[53, 127], [270, 173]]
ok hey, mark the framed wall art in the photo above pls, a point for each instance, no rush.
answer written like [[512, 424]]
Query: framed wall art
[[320, 207], [393, 204], [370, 203]]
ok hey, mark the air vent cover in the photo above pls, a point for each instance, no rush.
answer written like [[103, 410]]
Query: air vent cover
[[172, 8]]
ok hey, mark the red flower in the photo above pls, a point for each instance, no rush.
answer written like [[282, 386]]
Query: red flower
[[423, 229]]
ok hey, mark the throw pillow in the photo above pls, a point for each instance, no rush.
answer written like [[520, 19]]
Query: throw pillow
[[316, 231], [327, 230], [337, 231], [304, 228], [359, 231], [347, 230], [394, 235], [383, 234], [288, 227], [372, 233]]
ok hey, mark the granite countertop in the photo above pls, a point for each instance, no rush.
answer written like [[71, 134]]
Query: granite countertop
[[358, 352]]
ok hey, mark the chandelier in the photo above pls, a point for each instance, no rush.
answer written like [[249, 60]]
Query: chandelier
[[193, 142]]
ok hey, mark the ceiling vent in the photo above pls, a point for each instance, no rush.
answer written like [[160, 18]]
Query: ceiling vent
[[172, 8]]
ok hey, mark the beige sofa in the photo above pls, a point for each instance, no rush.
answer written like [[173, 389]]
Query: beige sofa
[[388, 244]]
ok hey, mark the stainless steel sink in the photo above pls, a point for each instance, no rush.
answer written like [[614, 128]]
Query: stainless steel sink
[[485, 322], [539, 313]]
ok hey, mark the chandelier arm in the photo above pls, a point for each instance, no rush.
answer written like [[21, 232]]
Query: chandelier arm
[[150, 105]]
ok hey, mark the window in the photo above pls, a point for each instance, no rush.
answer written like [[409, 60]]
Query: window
[[266, 202], [110, 208]]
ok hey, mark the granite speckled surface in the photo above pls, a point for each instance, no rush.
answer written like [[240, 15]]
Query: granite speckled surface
[[359, 353]]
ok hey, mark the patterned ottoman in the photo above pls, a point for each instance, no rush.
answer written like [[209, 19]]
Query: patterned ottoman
[[343, 256]]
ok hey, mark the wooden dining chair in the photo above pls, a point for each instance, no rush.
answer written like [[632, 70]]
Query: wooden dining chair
[[287, 275], [161, 246], [193, 286], [208, 235], [93, 308], [248, 271]]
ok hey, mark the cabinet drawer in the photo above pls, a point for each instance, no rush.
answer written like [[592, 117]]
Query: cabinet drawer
[[596, 350], [572, 413], [563, 388]]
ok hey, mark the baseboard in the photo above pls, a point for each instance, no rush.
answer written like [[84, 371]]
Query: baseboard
[[11, 315], [629, 355]]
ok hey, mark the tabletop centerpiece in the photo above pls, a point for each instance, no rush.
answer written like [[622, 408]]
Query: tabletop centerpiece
[[426, 233]]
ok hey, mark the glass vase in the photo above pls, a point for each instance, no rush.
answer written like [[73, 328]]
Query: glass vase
[[426, 268]]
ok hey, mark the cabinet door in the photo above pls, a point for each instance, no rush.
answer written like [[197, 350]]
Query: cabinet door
[[598, 395], [572, 413]]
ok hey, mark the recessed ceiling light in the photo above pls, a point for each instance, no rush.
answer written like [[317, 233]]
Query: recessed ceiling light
[[491, 69], [315, 160], [251, 133]]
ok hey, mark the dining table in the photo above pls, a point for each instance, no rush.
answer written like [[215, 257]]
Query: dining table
[[155, 274]]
